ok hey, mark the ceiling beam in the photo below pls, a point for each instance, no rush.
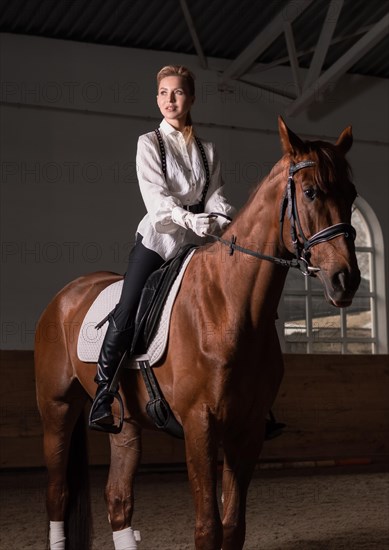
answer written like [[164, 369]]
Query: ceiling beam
[[324, 42], [347, 60], [261, 67], [294, 64], [262, 41], [194, 35]]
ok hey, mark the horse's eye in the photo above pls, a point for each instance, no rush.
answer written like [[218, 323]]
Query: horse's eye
[[310, 193]]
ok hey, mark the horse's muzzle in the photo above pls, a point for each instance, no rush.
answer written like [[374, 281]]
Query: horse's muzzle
[[341, 286]]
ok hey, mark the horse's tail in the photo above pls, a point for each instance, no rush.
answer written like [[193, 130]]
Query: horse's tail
[[78, 521]]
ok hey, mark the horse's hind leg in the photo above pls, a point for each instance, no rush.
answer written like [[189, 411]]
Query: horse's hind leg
[[58, 422], [59, 419], [240, 456], [119, 493]]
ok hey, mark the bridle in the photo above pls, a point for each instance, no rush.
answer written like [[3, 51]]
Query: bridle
[[302, 249], [301, 244]]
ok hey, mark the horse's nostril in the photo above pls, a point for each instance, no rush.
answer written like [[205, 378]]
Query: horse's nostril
[[342, 280], [345, 281]]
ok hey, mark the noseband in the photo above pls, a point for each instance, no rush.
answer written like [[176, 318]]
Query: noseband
[[301, 247]]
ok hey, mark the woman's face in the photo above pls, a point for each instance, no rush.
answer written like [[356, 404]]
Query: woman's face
[[174, 100]]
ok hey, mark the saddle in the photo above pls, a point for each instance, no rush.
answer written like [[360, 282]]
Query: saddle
[[153, 298]]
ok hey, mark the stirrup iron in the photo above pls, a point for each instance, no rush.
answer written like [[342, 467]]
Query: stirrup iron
[[107, 428]]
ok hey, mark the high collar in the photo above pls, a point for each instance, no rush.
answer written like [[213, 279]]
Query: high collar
[[168, 128]]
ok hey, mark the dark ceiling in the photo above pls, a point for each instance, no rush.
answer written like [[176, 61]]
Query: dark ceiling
[[224, 27]]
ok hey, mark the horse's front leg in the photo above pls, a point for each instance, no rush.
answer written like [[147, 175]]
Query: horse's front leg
[[241, 451], [201, 443], [119, 493]]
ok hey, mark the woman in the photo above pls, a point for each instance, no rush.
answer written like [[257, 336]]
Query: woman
[[180, 182]]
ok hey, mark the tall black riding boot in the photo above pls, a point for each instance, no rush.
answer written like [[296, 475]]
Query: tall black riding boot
[[115, 344]]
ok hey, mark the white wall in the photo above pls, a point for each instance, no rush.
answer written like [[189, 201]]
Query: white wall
[[70, 117]]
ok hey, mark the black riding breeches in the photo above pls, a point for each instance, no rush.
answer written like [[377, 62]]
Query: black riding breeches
[[141, 263]]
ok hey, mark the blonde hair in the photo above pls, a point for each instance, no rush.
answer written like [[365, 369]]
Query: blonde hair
[[183, 72]]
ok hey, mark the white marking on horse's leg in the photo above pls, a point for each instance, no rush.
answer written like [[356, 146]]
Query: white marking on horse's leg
[[125, 539], [57, 535]]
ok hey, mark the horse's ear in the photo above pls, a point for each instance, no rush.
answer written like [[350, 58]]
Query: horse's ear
[[290, 143], [345, 140]]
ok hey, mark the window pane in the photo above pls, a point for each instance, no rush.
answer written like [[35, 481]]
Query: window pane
[[295, 310], [295, 347], [326, 347], [325, 320], [295, 332], [328, 331], [364, 264], [359, 318], [294, 281], [315, 285], [363, 233], [360, 347], [295, 328]]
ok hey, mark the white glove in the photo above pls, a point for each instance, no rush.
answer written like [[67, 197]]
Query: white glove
[[201, 224], [198, 223], [221, 224]]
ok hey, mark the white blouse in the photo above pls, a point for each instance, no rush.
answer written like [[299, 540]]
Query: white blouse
[[184, 183]]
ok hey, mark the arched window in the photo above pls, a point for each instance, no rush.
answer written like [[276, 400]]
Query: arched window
[[311, 325]]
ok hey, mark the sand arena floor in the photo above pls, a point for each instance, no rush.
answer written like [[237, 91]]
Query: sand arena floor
[[326, 509]]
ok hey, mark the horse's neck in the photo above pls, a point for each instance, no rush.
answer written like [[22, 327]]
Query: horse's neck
[[258, 220], [256, 283], [257, 225]]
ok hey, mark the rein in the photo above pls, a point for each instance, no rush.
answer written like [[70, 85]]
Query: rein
[[301, 260]]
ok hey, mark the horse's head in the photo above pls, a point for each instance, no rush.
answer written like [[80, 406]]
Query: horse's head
[[317, 209]]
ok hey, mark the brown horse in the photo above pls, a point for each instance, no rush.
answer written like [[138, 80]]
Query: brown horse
[[223, 365]]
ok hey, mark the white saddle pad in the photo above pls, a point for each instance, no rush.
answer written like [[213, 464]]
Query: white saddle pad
[[91, 339]]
